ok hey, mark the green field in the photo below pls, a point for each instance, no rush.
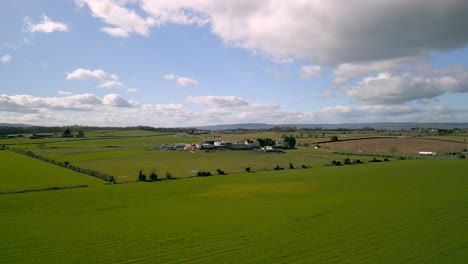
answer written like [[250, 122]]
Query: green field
[[19, 172], [123, 153], [393, 212]]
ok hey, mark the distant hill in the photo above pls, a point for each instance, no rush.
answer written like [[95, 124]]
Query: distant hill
[[387, 126], [15, 125]]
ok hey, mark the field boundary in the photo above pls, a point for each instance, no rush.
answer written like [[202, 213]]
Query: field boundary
[[66, 165], [46, 189]]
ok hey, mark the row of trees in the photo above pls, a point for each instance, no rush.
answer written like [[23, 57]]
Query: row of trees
[[153, 176], [290, 142]]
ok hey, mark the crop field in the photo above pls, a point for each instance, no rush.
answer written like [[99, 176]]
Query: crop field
[[123, 153], [393, 212], [23, 173], [400, 146]]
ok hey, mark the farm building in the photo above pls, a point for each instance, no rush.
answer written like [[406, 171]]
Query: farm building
[[427, 153]]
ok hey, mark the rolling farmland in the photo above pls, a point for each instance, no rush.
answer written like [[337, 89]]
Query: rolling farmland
[[395, 212], [23, 173]]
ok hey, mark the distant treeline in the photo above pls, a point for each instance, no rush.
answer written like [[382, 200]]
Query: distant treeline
[[8, 130]]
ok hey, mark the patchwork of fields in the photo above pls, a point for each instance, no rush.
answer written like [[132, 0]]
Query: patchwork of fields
[[123, 153], [393, 212]]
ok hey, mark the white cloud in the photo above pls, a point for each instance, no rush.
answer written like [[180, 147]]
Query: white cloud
[[107, 80], [115, 100], [218, 101], [114, 110], [6, 58], [387, 88], [347, 72], [180, 80], [111, 84], [328, 32], [132, 90], [122, 21], [64, 92], [83, 74], [47, 25], [311, 71]]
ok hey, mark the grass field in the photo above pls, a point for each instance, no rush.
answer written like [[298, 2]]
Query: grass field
[[394, 212], [123, 153], [19, 172]]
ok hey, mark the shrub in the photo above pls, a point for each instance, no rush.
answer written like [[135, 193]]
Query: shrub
[[203, 173], [278, 168], [336, 163], [141, 176], [291, 166], [169, 176], [153, 176], [247, 169], [220, 172]]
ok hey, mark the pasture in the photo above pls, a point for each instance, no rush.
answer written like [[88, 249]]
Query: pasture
[[394, 212], [123, 153], [19, 172]]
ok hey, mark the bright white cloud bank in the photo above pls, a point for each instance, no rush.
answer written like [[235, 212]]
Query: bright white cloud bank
[[47, 25], [114, 110]]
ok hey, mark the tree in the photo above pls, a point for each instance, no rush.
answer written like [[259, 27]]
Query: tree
[[153, 176], [67, 133], [80, 134], [266, 142], [334, 139], [291, 141], [141, 176]]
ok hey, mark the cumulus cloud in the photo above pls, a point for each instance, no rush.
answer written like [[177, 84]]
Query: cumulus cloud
[[180, 80], [47, 25], [328, 32], [107, 80], [218, 101], [123, 21], [79, 102], [311, 71], [111, 84], [345, 73], [115, 100], [387, 88], [83, 74], [6, 58], [113, 109]]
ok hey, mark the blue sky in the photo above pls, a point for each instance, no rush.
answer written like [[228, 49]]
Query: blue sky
[[203, 62]]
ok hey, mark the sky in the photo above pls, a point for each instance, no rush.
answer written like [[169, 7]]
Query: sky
[[176, 63]]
